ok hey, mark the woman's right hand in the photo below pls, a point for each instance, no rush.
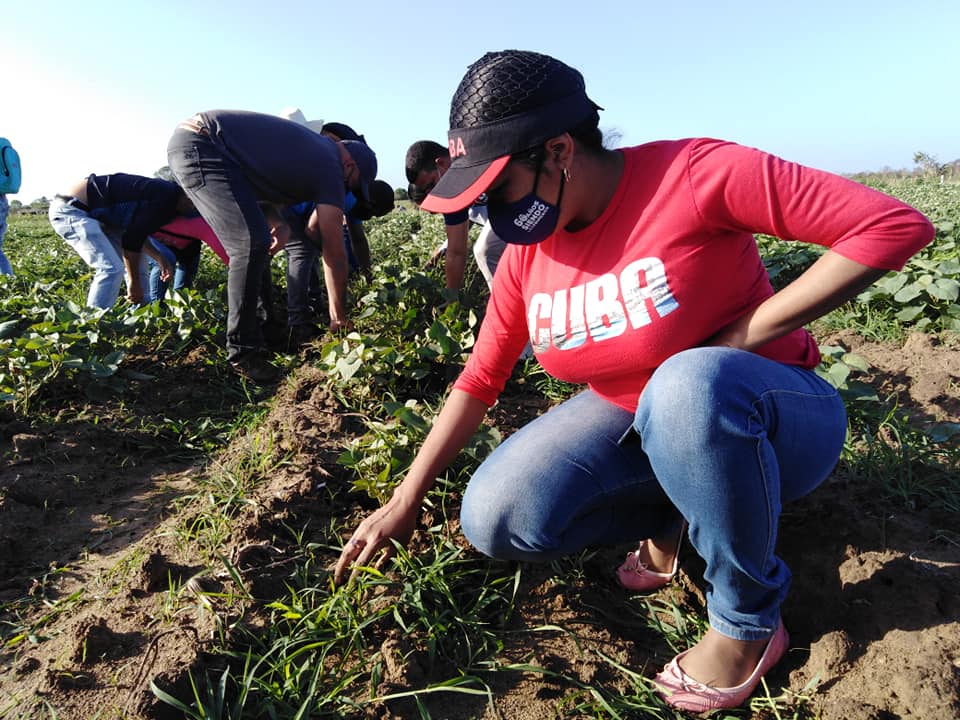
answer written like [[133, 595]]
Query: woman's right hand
[[458, 420], [394, 521]]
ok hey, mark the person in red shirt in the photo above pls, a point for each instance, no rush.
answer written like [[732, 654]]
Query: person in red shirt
[[635, 271]]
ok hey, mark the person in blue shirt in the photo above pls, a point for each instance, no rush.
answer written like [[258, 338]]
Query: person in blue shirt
[[5, 267], [305, 247], [10, 178], [107, 219]]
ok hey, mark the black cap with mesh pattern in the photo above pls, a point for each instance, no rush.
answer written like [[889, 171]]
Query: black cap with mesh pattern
[[507, 102]]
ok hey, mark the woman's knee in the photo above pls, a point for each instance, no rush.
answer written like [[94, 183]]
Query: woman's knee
[[485, 517], [509, 508], [686, 393]]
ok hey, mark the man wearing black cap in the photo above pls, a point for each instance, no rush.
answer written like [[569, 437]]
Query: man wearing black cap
[[229, 160]]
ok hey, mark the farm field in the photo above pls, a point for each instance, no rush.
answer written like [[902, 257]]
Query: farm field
[[167, 532]]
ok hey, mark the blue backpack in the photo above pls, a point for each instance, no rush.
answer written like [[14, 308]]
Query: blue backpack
[[9, 168]]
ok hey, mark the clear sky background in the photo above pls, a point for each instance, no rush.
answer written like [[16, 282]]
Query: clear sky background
[[844, 85]]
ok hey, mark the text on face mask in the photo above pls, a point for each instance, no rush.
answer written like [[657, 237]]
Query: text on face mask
[[534, 214]]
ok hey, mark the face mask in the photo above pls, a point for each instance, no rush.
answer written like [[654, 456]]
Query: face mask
[[527, 221]]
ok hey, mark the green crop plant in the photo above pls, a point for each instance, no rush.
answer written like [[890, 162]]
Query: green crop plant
[[437, 618], [381, 457]]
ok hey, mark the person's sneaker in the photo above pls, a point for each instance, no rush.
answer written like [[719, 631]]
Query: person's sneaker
[[256, 367]]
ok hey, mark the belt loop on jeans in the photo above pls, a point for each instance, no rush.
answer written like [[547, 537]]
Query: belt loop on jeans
[[73, 202]]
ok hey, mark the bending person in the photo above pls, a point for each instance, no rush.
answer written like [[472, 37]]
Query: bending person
[[106, 219], [426, 162], [228, 161]]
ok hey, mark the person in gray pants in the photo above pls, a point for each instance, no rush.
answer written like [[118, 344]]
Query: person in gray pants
[[229, 160]]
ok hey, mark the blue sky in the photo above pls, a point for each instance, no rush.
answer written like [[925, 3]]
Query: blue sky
[[97, 87]]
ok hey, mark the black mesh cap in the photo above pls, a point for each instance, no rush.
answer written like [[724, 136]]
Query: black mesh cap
[[508, 101]]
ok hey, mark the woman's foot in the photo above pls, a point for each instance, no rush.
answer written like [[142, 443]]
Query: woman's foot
[[653, 564], [720, 661], [719, 672]]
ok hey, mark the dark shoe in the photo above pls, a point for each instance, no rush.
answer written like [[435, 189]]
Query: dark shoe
[[274, 334], [256, 368], [300, 335]]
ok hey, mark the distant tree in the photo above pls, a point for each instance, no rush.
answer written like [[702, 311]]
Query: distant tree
[[928, 164], [15, 204], [401, 194]]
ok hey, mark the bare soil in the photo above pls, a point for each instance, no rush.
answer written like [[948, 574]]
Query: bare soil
[[89, 506]]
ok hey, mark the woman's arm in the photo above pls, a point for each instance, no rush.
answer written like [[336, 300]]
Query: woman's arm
[[824, 286], [456, 424], [867, 232]]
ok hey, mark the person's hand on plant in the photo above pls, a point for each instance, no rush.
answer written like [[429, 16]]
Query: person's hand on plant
[[458, 420], [134, 290], [394, 521], [450, 296], [437, 255], [338, 322], [279, 237]]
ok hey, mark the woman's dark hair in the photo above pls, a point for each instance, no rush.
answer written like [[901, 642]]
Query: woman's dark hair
[[587, 135]]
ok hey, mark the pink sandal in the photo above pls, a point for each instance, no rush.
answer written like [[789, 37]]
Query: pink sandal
[[679, 690], [635, 575]]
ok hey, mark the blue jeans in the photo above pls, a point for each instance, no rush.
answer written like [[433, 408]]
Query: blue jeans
[[225, 198], [5, 268], [721, 437], [186, 263], [95, 246]]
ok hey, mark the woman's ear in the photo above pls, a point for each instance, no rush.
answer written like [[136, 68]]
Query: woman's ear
[[560, 149]]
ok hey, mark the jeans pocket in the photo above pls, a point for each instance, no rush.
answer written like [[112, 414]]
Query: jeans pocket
[[185, 164]]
